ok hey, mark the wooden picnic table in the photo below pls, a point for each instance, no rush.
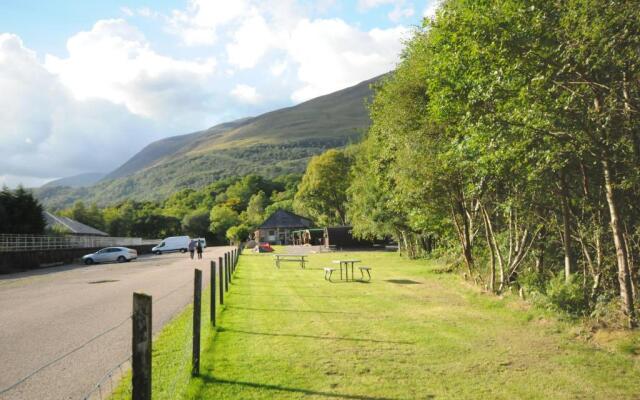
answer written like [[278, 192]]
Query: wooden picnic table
[[346, 267], [290, 258]]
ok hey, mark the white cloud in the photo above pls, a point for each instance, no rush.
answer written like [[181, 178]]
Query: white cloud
[[331, 55], [250, 41], [400, 12], [324, 54], [430, 9], [245, 94], [198, 24], [115, 62], [127, 11], [368, 4], [47, 133]]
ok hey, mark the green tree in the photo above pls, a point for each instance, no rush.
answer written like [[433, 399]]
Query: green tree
[[196, 223], [20, 212], [322, 194], [221, 219], [236, 234], [255, 212]]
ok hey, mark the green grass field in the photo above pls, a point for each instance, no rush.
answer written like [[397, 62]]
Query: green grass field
[[412, 333], [409, 334]]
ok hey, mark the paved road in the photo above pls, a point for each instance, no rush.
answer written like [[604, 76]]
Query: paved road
[[47, 313]]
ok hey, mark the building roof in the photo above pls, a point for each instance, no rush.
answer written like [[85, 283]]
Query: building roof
[[74, 227], [285, 219]]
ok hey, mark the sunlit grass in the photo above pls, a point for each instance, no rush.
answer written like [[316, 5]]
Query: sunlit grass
[[409, 334]]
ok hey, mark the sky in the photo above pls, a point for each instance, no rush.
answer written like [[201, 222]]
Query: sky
[[84, 85]]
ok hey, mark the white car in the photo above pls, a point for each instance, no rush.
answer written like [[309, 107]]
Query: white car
[[111, 254]]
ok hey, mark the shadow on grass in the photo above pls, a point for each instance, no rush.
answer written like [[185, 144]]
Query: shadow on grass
[[404, 282], [294, 295], [231, 330], [290, 310], [212, 380]]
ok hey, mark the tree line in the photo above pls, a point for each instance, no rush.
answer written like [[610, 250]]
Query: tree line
[[226, 210], [510, 129]]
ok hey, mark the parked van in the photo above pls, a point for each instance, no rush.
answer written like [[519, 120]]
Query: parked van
[[173, 243]]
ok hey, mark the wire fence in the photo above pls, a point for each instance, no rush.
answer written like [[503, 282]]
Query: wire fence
[[112, 381], [10, 242]]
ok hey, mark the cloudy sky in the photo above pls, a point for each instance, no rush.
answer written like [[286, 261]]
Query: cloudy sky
[[84, 85]]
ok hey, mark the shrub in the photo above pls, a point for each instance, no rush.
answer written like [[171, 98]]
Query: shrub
[[567, 296]]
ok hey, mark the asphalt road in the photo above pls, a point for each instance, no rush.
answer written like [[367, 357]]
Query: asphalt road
[[46, 313]]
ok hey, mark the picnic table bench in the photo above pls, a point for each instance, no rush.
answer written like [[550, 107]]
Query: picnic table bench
[[290, 258]]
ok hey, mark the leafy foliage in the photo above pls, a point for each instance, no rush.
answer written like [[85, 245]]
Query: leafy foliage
[[322, 194]]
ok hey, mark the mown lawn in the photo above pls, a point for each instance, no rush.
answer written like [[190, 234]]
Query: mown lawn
[[409, 334]]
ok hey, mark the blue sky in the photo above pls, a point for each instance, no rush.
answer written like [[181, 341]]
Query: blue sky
[[76, 76]]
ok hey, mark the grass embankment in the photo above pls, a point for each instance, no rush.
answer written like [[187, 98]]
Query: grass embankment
[[409, 334]]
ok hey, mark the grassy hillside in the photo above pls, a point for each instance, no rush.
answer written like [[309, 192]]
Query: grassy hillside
[[271, 144]]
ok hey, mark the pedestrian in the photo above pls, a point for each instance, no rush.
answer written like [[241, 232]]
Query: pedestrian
[[199, 249], [192, 248]]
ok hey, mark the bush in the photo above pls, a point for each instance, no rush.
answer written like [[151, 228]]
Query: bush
[[607, 312], [533, 281], [567, 296]]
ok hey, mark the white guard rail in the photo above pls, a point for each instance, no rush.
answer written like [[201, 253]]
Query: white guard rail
[[42, 242]]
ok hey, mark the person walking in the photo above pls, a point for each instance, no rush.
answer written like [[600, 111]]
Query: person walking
[[192, 248], [199, 249]]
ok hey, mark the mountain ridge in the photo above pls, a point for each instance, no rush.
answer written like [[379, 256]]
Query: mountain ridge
[[274, 143]]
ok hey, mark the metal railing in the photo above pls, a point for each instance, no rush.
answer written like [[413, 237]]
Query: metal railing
[[10, 242]]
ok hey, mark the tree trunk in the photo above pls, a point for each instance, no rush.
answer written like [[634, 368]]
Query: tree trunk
[[492, 272], [566, 229], [624, 273]]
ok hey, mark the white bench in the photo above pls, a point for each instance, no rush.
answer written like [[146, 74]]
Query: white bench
[[363, 270], [327, 273]]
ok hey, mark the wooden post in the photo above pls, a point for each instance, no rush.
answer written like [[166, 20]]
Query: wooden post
[[233, 264], [197, 313], [141, 347], [221, 279], [227, 270], [212, 298], [230, 266]]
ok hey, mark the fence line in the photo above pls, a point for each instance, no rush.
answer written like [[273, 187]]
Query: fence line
[[11, 242], [108, 375]]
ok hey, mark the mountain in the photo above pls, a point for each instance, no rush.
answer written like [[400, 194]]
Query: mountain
[[76, 181], [274, 143]]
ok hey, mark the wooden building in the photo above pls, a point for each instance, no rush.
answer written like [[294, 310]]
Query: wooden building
[[279, 227]]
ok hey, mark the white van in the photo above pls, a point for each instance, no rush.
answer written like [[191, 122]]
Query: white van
[[173, 243]]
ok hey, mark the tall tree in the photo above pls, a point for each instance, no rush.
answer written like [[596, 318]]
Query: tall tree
[[322, 194]]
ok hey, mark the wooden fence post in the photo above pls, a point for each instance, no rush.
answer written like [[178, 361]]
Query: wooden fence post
[[212, 298], [230, 267], [141, 347], [221, 279], [226, 269], [197, 313]]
